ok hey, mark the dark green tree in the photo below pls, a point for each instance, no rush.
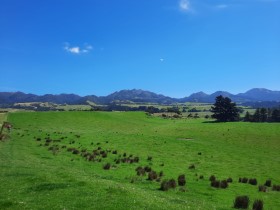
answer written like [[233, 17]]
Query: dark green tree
[[248, 117], [224, 110], [275, 115], [257, 115], [263, 115]]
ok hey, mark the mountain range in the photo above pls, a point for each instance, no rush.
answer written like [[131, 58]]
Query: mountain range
[[137, 95]]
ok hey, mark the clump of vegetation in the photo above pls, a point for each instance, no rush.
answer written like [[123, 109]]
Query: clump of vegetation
[[182, 180], [152, 175], [215, 183], [268, 183], [224, 184], [241, 202], [107, 166], [243, 180], [140, 171], [262, 188], [229, 180], [253, 181], [276, 187], [192, 166], [149, 158], [147, 169], [212, 178], [258, 205], [168, 184]]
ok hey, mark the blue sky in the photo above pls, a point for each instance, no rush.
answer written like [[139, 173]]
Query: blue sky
[[172, 47]]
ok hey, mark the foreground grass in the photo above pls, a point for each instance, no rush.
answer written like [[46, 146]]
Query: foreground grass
[[32, 177]]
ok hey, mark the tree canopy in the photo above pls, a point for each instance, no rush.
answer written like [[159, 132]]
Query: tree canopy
[[224, 110]]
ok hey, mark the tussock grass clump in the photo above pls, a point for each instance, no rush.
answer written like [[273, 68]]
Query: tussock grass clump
[[201, 177], [229, 180], [224, 184], [148, 169], [262, 188], [192, 166], [258, 205], [107, 166], [152, 175], [136, 159], [150, 158], [76, 152], [253, 181], [276, 187], [268, 183], [168, 184], [160, 173], [115, 152], [140, 171], [212, 178], [104, 155], [215, 183], [182, 180], [243, 180], [241, 202]]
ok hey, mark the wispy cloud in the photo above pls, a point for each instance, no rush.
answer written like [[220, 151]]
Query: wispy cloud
[[77, 49], [184, 5]]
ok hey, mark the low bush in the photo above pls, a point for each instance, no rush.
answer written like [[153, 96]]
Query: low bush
[[253, 181], [107, 166], [224, 184], [241, 202], [152, 175], [229, 180], [262, 188], [212, 178], [268, 183], [276, 187], [192, 166], [182, 180], [258, 205], [215, 183]]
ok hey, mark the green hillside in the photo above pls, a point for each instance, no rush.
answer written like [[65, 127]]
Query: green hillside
[[39, 172]]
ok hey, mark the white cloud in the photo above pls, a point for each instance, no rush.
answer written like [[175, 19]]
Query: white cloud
[[76, 49], [184, 5]]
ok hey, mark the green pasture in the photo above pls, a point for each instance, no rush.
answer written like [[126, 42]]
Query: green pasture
[[36, 174]]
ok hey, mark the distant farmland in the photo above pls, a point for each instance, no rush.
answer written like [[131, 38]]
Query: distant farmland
[[91, 160]]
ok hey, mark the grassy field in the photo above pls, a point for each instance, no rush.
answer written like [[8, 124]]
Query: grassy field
[[37, 173]]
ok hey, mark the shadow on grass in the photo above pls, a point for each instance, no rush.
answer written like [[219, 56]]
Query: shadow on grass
[[48, 187]]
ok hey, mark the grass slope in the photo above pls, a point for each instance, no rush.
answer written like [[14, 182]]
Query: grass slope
[[34, 177]]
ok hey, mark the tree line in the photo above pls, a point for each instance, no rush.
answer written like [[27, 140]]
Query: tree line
[[224, 110], [263, 115]]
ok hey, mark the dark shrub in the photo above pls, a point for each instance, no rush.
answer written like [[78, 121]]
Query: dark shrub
[[276, 187], [258, 205], [224, 184], [262, 188], [212, 178], [152, 175], [172, 183], [148, 169], [140, 171], [99, 148], [63, 147], [164, 185], [107, 166], [253, 181], [161, 173], [215, 183], [201, 177], [76, 152], [229, 180], [118, 161], [124, 154], [104, 155], [38, 139], [115, 152], [241, 202], [268, 183], [136, 159], [244, 180], [199, 153], [192, 166], [149, 158], [182, 180]]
